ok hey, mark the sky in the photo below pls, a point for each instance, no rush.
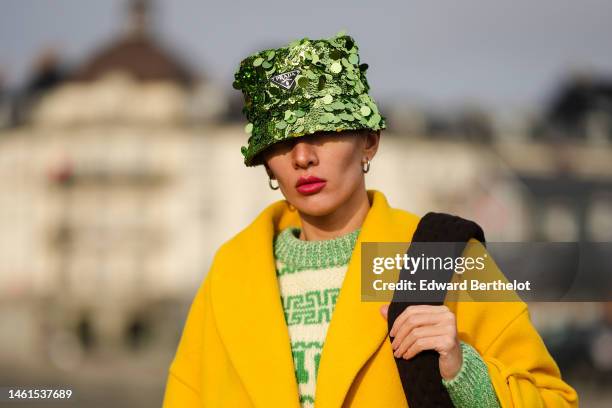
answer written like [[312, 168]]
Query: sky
[[499, 54]]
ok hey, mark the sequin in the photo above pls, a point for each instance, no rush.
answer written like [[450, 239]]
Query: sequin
[[365, 110]]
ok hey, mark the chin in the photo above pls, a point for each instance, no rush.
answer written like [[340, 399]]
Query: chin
[[318, 204]]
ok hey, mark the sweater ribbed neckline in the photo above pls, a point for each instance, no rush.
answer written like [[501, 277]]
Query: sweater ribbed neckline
[[302, 254]]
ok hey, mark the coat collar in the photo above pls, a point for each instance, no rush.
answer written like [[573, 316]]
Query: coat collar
[[249, 315]]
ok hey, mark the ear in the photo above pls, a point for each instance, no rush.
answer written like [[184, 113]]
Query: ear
[[268, 171], [372, 140]]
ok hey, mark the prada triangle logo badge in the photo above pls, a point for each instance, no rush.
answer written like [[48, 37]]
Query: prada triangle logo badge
[[285, 80]]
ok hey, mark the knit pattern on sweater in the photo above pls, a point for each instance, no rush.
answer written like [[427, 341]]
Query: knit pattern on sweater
[[310, 275]]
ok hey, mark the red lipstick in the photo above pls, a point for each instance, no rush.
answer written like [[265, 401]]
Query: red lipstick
[[310, 185]]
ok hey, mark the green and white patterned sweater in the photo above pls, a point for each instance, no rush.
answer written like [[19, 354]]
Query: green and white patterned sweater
[[310, 275]]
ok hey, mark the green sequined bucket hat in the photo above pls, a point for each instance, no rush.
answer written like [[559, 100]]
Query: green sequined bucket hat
[[306, 87]]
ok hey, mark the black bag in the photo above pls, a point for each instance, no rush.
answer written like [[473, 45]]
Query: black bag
[[420, 375]]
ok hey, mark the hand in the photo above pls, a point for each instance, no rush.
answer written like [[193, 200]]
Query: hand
[[426, 327]]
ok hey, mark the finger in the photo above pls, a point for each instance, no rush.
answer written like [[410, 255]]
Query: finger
[[384, 310], [415, 310], [427, 308], [438, 343], [416, 334], [414, 321]]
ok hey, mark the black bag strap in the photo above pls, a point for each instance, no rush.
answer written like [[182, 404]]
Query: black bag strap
[[420, 375]]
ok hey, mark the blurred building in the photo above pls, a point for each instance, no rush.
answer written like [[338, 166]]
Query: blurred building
[[582, 108], [110, 195]]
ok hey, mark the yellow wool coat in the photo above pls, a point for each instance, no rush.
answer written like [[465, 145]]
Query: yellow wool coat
[[235, 348]]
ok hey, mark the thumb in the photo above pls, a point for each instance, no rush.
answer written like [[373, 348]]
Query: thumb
[[384, 310]]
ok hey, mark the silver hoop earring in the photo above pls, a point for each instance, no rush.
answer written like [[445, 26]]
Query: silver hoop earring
[[270, 184], [366, 168]]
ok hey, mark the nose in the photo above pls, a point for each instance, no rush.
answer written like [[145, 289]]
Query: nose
[[304, 154]]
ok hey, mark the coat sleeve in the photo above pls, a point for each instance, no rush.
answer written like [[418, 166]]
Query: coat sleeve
[[522, 371], [184, 375], [201, 373]]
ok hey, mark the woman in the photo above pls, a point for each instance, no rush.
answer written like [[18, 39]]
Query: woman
[[278, 320]]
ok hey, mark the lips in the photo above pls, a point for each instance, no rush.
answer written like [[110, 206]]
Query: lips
[[310, 185], [307, 180]]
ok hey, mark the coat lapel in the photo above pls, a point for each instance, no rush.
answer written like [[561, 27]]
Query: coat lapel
[[250, 318], [357, 328], [249, 313]]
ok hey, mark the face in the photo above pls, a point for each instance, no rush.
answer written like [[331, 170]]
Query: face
[[318, 173]]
